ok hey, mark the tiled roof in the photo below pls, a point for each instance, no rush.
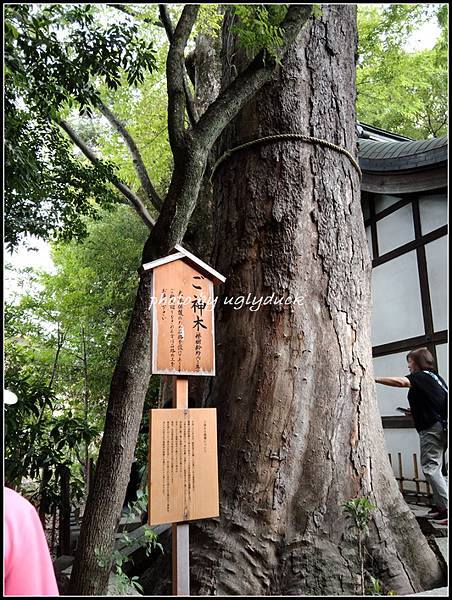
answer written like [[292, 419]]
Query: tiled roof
[[398, 156]]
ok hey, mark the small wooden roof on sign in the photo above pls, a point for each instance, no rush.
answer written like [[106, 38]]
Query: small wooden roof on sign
[[180, 253]]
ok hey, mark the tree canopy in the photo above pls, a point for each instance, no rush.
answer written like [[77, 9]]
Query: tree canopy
[[56, 57], [76, 62], [399, 89]]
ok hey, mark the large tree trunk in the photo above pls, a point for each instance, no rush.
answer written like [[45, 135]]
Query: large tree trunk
[[43, 499], [206, 69], [299, 427], [205, 65]]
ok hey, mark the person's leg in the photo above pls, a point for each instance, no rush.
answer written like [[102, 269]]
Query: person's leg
[[432, 450]]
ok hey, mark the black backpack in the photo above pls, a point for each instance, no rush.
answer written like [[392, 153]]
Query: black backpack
[[441, 419]]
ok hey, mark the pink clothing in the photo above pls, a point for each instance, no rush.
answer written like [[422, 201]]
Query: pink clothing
[[28, 569]]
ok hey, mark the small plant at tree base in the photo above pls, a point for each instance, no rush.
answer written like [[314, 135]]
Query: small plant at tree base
[[359, 510], [122, 581], [148, 540], [317, 11], [149, 537], [376, 588]]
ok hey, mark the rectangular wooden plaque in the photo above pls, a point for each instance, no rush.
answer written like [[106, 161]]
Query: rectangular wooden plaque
[[182, 321], [183, 473]]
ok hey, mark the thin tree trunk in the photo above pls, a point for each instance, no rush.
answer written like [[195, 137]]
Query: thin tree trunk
[[65, 510], [60, 342], [165, 391], [299, 426], [43, 498], [128, 388], [52, 542], [85, 409], [91, 472]]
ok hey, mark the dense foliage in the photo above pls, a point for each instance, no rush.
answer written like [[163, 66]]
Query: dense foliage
[[62, 336], [61, 60], [399, 89], [56, 57]]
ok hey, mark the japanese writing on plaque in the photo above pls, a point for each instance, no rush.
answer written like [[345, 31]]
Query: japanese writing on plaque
[[164, 303], [183, 324], [183, 469], [180, 328], [198, 306], [172, 329], [178, 444]]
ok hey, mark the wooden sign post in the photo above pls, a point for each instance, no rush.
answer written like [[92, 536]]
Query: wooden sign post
[[183, 473], [180, 531]]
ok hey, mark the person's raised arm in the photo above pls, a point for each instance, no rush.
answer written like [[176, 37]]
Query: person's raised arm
[[394, 381]]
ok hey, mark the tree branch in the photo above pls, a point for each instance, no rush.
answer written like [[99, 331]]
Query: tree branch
[[133, 199], [60, 342], [175, 75], [187, 176], [191, 108], [138, 163], [124, 8], [166, 20], [442, 124], [247, 83]]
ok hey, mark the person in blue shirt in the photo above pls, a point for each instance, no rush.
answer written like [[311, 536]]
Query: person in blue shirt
[[427, 397]]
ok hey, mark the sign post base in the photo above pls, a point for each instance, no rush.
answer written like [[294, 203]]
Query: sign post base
[[181, 564], [180, 531]]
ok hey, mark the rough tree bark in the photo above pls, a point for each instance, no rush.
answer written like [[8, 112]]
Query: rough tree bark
[[190, 149], [299, 427], [206, 71], [205, 66]]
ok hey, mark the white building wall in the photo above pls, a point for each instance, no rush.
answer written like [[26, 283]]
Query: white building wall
[[397, 311]]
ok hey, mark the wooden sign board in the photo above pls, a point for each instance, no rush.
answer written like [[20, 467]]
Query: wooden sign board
[[183, 474], [182, 321]]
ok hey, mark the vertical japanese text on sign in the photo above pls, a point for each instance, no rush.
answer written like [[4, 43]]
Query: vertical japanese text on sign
[[182, 323], [183, 476]]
